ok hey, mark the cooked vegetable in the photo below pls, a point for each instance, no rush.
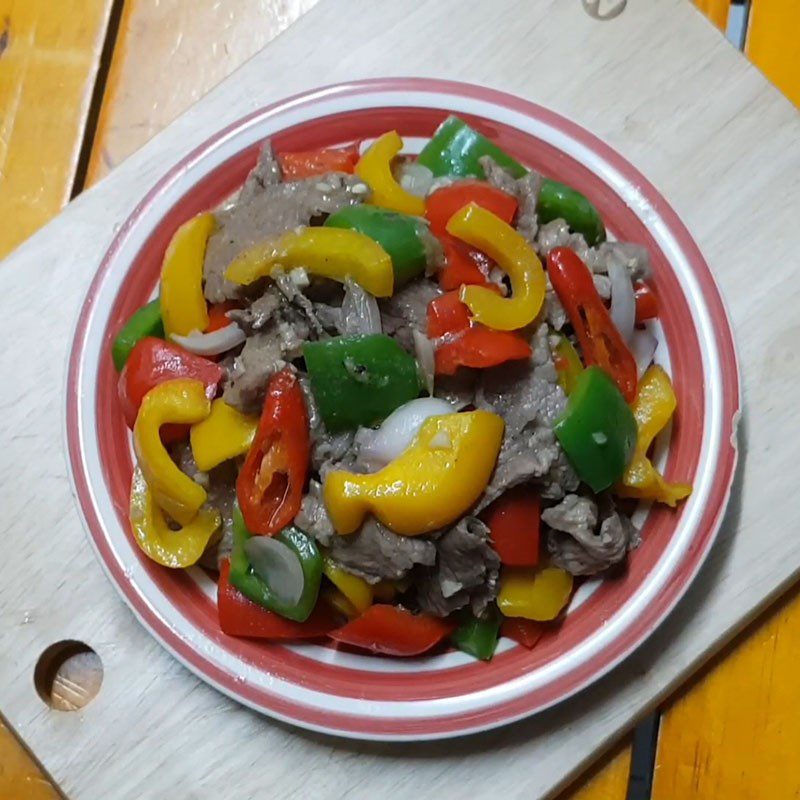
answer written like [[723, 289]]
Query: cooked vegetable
[[183, 306], [271, 482], [357, 591], [557, 201], [361, 315], [535, 594], [278, 566], [568, 364], [307, 163], [224, 434], [514, 256], [513, 521], [643, 348], [431, 484], [145, 322], [597, 430], [211, 344], [523, 631], [646, 302], [653, 408], [157, 540], [360, 380], [426, 360], [601, 343], [176, 401], [375, 169], [328, 252], [623, 303], [414, 178], [478, 637]]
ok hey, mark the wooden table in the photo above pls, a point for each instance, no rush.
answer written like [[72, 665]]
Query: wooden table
[[83, 83]]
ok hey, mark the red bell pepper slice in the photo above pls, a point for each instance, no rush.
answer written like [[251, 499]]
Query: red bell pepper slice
[[308, 163], [238, 616], [601, 343], [526, 632], [646, 302], [270, 484], [393, 631], [153, 361], [513, 521], [217, 315]]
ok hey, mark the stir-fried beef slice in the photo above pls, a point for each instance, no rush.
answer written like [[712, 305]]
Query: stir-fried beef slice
[[261, 357], [526, 189], [267, 172], [407, 310], [458, 389]]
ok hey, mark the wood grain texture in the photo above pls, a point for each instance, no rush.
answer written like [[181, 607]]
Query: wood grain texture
[[773, 43], [49, 54], [696, 129]]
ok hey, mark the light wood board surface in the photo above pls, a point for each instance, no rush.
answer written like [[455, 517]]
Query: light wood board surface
[[536, 96]]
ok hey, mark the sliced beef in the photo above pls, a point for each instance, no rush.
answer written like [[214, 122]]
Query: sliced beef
[[526, 189], [458, 389], [261, 357], [267, 172], [259, 313], [406, 310], [359, 313]]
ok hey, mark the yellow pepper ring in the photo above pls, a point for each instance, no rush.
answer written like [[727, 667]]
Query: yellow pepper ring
[[489, 234]]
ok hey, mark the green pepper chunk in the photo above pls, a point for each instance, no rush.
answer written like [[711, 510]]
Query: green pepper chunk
[[557, 201], [255, 588], [478, 637], [145, 322], [360, 380], [597, 430], [406, 239]]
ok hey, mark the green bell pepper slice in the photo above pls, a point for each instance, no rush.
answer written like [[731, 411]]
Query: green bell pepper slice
[[558, 201], [145, 322], [406, 239], [478, 637], [360, 380], [597, 430], [255, 588]]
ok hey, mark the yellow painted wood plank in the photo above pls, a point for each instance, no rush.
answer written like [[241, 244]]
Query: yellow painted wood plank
[[19, 777], [773, 43], [715, 10], [49, 54], [606, 781], [735, 733]]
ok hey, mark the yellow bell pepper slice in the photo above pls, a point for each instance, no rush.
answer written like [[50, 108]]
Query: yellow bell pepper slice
[[375, 169], [568, 364], [338, 602], [429, 485], [224, 434], [653, 408], [183, 306], [181, 401], [489, 234], [176, 549], [538, 594], [357, 591], [335, 253]]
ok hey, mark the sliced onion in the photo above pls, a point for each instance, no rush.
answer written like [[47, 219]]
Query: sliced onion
[[623, 302], [360, 312], [423, 348], [415, 178], [399, 429], [211, 344], [643, 346], [278, 565]]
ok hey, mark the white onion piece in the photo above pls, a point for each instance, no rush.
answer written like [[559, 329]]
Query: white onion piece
[[278, 565], [623, 302], [643, 347], [423, 348], [415, 178], [211, 344], [360, 312], [399, 429]]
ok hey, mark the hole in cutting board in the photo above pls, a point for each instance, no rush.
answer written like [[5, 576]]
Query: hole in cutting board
[[68, 675]]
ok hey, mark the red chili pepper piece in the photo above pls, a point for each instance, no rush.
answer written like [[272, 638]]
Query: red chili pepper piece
[[513, 521], [601, 343], [523, 631], [393, 631], [238, 616], [646, 302], [217, 315], [270, 484], [308, 163]]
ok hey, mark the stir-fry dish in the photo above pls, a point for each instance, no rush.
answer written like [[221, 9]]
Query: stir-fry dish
[[399, 402]]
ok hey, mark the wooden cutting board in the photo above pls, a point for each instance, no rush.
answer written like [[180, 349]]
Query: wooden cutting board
[[718, 141]]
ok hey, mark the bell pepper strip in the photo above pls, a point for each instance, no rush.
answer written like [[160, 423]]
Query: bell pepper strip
[[182, 401], [478, 637], [482, 229], [239, 616], [442, 204], [557, 201], [307, 163], [360, 380], [328, 252], [152, 362], [455, 149], [523, 631], [535, 594], [513, 521], [646, 302], [183, 306], [597, 430], [270, 484], [145, 322], [218, 315], [375, 169], [357, 591], [224, 434], [568, 364], [431, 484], [462, 265], [255, 588], [652, 409], [393, 631], [165, 546], [338, 602], [601, 343], [406, 239]]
